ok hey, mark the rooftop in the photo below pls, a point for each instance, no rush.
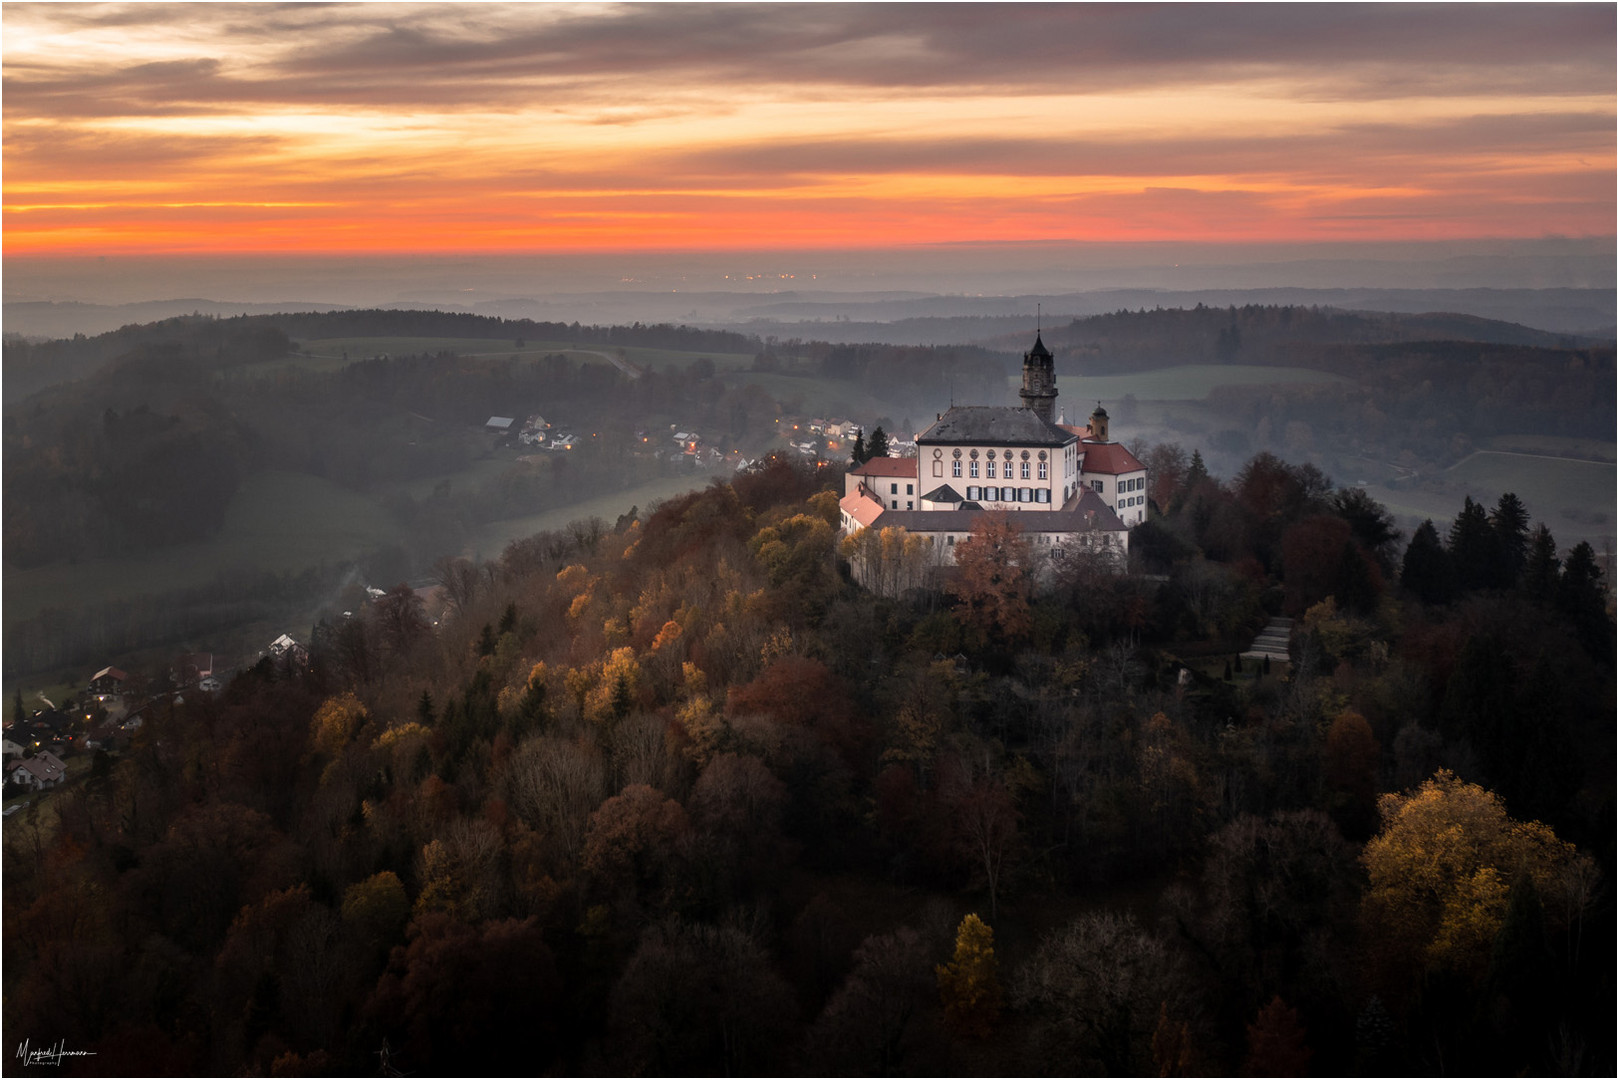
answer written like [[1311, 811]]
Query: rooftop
[[997, 425], [886, 466]]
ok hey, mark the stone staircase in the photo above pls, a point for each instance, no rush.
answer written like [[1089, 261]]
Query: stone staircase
[[1271, 641]]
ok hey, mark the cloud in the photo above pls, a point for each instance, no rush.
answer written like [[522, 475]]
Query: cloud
[[506, 56]]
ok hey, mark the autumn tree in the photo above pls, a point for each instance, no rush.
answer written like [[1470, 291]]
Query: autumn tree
[[1441, 870], [1276, 1042], [698, 1000], [1370, 522], [969, 985], [454, 986], [993, 579]]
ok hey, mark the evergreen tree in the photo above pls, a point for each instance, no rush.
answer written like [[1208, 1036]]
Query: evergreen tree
[[424, 710], [17, 713], [1473, 552], [508, 619], [1583, 599], [1510, 523], [878, 446], [1542, 571], [1197, 472], [860, 454], [1426, 570]]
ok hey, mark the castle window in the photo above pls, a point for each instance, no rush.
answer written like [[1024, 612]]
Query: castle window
[[895, 490], [974, 470], [974, 493], [991, 494], [991, 466], [910, 489], [1025, 469], [1044, 471], [955, 468]]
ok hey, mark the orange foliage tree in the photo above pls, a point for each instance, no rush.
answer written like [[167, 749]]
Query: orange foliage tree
[[994, 578]]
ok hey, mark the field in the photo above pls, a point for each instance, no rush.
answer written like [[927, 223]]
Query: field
[[1191, 382], [278, 521], [1574, 498], [489, 541]]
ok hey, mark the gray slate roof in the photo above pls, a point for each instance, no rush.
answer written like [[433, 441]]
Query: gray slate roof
[[1088, 514], [943, 493], [993, 425]]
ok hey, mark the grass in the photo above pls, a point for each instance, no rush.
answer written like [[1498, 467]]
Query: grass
[[277, 521], [492, 539], [1191, 382], [1574, 498]]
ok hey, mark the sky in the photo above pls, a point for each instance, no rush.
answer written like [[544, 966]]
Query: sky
[[382, 129]]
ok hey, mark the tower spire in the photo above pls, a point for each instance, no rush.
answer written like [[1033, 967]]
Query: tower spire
[[1039, 380]]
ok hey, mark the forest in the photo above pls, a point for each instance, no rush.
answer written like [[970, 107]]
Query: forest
[[676, 796]]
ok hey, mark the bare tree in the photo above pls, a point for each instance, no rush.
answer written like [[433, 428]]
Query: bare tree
[[553, 785]]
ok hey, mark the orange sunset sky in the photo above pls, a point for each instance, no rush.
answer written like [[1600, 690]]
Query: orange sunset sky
[[376, 128]]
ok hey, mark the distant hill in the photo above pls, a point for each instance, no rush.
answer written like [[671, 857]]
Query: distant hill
[[1255, 334]]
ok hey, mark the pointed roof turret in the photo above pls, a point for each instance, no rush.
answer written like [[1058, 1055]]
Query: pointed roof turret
[[1039, 348]]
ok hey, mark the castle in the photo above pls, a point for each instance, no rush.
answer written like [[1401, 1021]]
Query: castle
[[1072, 487]]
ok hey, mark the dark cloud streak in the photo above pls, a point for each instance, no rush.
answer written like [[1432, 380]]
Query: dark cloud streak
[[453, 56]]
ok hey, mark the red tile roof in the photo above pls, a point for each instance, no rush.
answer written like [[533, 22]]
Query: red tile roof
[[861, 507], [886, 466], [1109, 458]]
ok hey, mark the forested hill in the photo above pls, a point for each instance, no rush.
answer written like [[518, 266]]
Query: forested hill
[[677, 797], [245, 339], [1292, 336]]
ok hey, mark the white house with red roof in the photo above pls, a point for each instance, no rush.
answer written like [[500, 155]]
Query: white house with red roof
[[1070, 487], [1111, 470]]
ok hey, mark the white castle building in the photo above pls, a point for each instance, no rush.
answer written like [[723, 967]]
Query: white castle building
[[1072, 487]]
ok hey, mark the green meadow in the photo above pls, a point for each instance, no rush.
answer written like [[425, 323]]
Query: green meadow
[[1574, 498]]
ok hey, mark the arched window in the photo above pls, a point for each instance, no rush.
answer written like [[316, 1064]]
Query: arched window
[[955, 468]]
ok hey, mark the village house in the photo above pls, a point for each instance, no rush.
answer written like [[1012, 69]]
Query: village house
[[40, 772], [108, 681]]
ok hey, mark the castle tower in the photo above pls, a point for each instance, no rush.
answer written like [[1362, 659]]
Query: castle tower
[[1039, 381], [1098, 424]]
